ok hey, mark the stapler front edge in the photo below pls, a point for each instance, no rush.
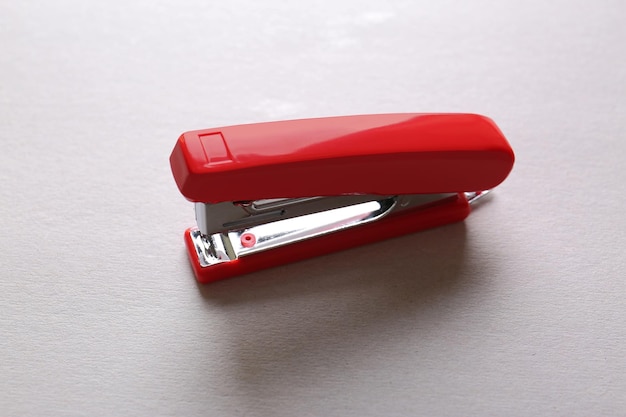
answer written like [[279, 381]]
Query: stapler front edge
[[271, 193]]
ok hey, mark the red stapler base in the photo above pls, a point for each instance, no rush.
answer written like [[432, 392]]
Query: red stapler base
[[450, 210]]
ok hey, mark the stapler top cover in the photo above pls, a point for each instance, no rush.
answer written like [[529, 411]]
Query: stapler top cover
[[387, 154]]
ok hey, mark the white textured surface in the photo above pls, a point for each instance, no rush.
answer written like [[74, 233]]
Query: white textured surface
[[519, 311]]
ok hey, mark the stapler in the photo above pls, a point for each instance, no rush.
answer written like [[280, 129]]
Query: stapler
[[266, 194]]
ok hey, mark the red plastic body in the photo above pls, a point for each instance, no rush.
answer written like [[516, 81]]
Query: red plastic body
[[385, 154], [373, 154]]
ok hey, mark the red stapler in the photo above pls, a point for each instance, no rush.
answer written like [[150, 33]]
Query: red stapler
[[271, 193]]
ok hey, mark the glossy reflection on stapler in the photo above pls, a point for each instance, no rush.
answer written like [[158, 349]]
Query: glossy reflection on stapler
[[266, 194]]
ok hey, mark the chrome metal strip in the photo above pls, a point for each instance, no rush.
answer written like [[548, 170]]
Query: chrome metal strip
[[224, 246]]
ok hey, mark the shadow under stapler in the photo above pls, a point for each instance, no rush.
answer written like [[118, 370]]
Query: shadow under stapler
[[287, 322], [294, 319]]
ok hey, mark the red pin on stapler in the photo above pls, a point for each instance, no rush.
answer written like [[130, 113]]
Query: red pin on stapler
[[271, 193]]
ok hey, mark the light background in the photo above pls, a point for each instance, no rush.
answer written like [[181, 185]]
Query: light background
[[518, 311]]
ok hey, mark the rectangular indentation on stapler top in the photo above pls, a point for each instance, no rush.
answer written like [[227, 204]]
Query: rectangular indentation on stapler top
[[215, 148]]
